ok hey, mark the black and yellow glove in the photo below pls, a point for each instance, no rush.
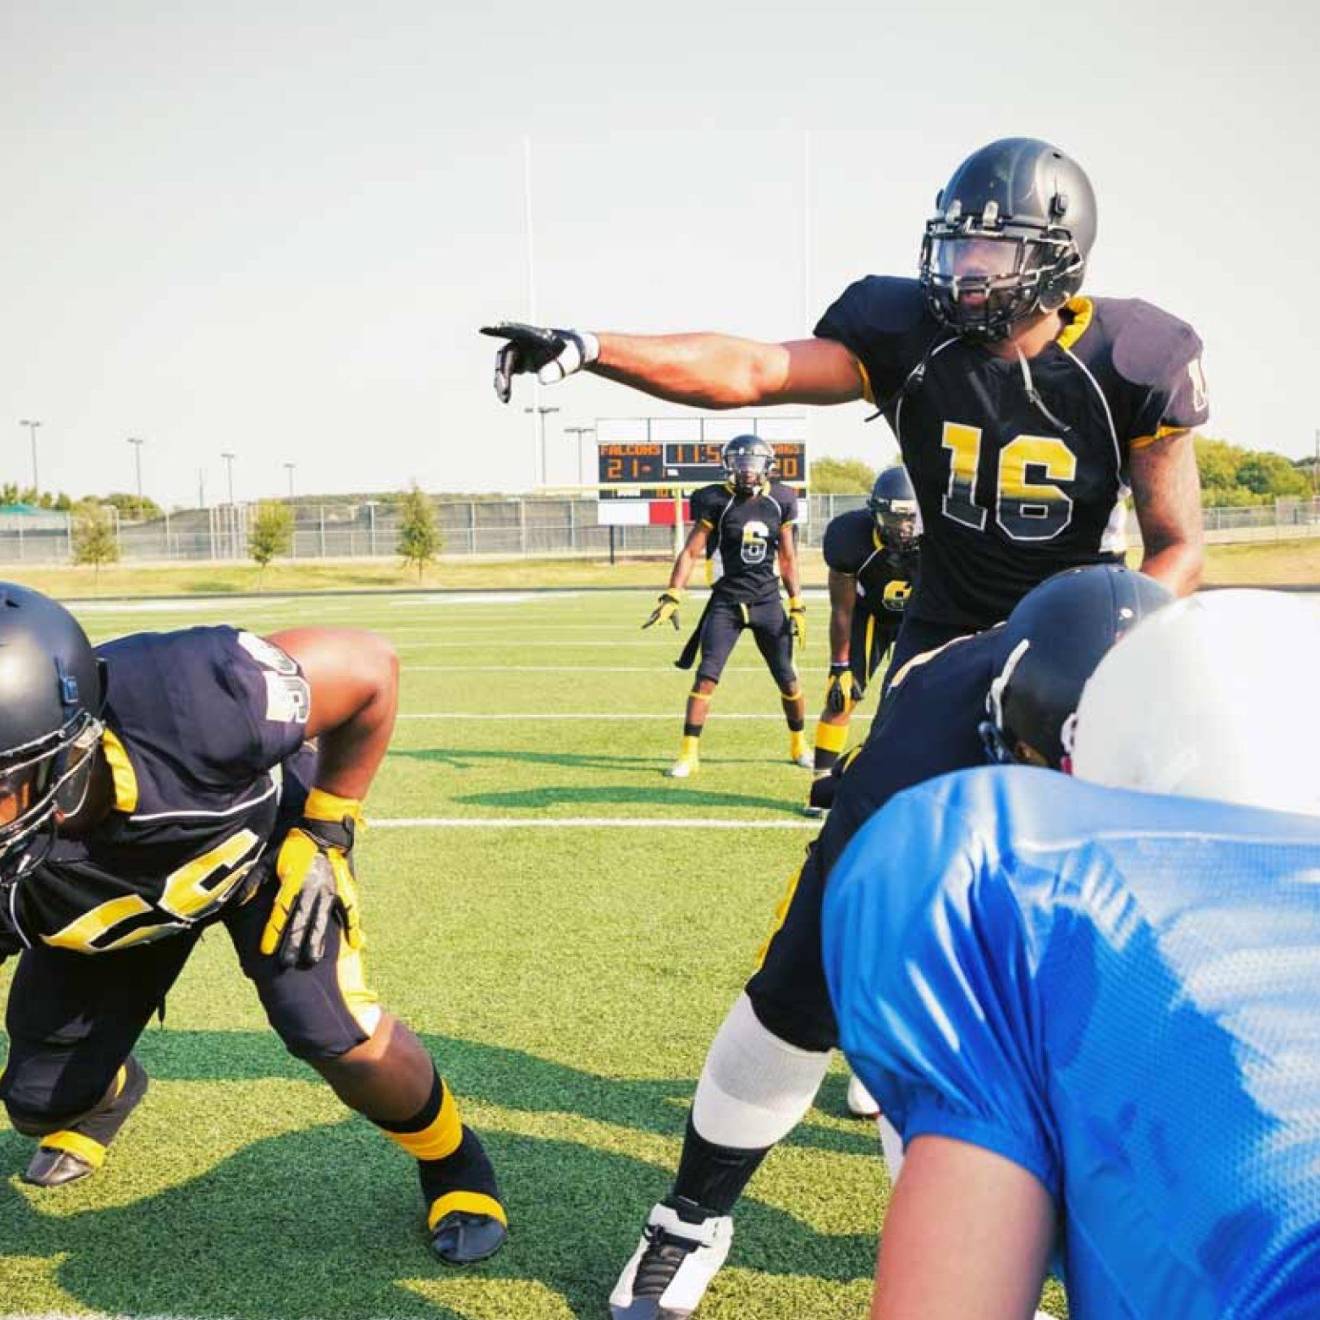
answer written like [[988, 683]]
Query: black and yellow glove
[[315, 871], [842, 691], [797, 620], [667, 608]]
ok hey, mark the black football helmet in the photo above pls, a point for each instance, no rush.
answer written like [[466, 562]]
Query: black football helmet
[[50, 699], [1012, 231], [748, 462], [893, 505], [1052, 643]]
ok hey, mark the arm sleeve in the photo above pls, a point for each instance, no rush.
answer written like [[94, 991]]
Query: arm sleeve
[[840, 544], [788, 502], [701, 506], [930, 977], [874, 319], [244, 700], [1161, 355]]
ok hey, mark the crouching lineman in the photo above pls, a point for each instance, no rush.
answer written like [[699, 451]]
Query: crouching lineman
[[161, 784], [746, 521], [1101, 1039], [872, 555], [1013, 688]]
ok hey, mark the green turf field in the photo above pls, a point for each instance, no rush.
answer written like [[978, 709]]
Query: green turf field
[[563, 925]]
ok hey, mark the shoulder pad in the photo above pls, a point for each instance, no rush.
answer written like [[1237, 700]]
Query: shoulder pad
[[887, 304], [848, 540], [1147, 343]]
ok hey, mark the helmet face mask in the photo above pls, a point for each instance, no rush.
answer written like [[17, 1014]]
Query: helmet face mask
[[51, 692], [1010, 238], [748, 463], [893, 508]]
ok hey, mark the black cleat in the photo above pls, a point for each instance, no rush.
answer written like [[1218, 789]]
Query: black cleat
[[462, 1238], [79, 1150]]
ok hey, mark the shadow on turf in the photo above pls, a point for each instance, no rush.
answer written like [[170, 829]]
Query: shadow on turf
[[326, 1221], [463, 758]]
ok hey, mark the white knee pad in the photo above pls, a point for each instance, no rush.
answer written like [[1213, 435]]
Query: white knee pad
[[754, 1088]]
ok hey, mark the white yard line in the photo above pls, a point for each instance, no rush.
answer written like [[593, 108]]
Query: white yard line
[[584, 822], [608, 715], [563, 669]]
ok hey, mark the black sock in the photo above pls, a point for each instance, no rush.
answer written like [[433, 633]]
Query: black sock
[[711, 1178]]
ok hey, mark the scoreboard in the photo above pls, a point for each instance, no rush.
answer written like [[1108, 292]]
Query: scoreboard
[[685, 462]]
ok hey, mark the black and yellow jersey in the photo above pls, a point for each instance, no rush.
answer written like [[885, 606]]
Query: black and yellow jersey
[[198, 723], [1020, 468], [745, 532], [885, 577]]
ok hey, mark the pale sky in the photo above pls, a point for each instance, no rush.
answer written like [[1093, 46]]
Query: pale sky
[[274, 229]]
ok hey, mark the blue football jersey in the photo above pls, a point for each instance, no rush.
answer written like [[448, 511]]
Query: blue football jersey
[[1119, 992]]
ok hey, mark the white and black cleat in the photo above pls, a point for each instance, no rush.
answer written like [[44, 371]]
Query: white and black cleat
[[806, 761], [672, 1267]]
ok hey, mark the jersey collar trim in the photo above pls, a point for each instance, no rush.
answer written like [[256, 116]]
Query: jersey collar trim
[[121, 772], [1082, 309]]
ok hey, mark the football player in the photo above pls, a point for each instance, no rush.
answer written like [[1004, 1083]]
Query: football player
[[1025, 411], [1009, 691], [1101, 1041], [164, 783], [871, 555], [745, 525]]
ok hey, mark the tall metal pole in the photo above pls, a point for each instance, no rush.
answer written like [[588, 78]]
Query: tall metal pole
[[137, 459], [540, 470], [233, 512], [289, 468], [538, 432], [229, 460], [32, 432], [580, 431]]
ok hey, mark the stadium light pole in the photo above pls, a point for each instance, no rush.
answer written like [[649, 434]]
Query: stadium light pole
[[580, 431], [32, 432], [288, 467], [540, 411], [137, 462], [229, 463]]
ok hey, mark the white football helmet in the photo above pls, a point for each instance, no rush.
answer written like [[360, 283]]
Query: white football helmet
[[1212, 697]]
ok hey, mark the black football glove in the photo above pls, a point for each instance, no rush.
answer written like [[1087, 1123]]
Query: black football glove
[[551, 353], [667, 608], [316, 883], [842, 690]]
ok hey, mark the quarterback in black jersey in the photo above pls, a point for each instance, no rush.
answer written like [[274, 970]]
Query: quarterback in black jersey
[[743, 525], [872, 557], [164, 783], [1025, 412]]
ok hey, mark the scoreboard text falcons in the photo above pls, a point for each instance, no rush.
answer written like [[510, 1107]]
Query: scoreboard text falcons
[[684, 462]]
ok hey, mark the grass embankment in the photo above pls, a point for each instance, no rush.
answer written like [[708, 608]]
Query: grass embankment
[[1272, 563]]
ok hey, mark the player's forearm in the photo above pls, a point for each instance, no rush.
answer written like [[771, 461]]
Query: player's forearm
[[840, 635], [788, 572], [1166, 491], [682, 571], [704, 370]]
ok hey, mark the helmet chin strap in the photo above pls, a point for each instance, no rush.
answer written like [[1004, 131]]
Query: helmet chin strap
[[1034, 396]]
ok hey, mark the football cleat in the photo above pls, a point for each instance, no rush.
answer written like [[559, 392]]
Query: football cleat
[[813, 811], [861, 1103], [672, 1267], [462, 1238], [683, 768], [804, 760], [75, 1152]]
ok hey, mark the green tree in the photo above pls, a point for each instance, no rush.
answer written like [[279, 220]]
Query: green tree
[[133, 509], [94, 540], [270, 533], [419, 533], [1272, 475], [841, 476]]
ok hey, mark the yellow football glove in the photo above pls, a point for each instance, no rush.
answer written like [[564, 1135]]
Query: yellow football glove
[[315, 872], [666, 609], [841, 689], [797, 620]]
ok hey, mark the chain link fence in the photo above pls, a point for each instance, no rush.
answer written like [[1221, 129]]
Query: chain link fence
[[531, 527]]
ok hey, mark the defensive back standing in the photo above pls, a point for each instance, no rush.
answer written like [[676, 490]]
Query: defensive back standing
[[747, 524]]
